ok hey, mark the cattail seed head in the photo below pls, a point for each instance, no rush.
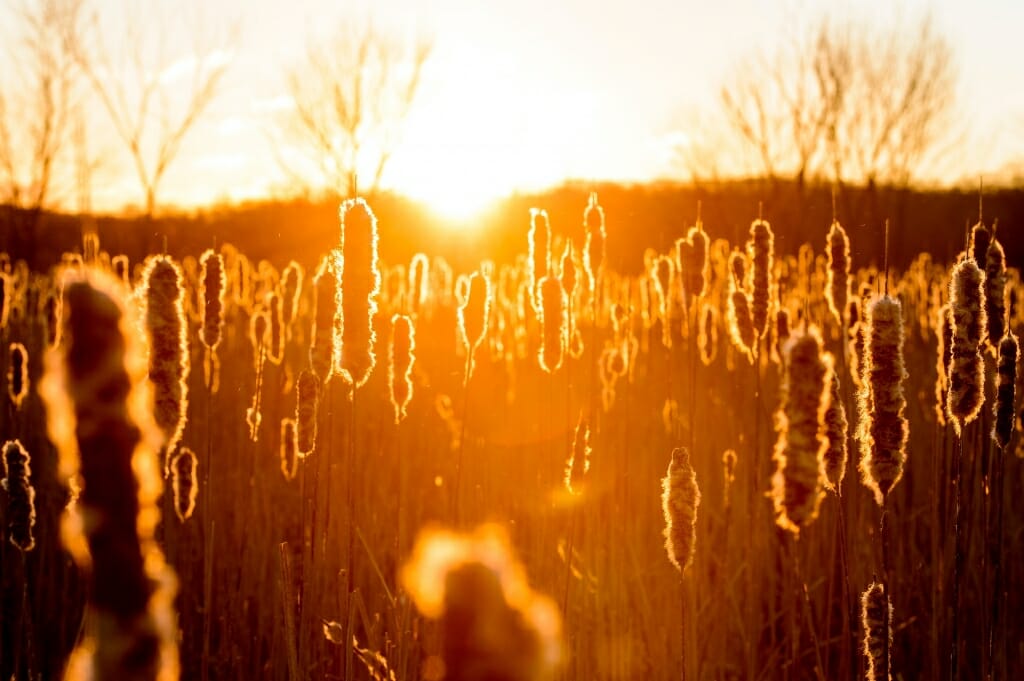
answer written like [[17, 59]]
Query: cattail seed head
[[876, 620], [800, 422], [52, 317], [1006, 370], [5, 299], [307, 401], [578, 466], [738, 314], [995, 293], [419, 282], [680, 499], [882, 426], [474, 314], [837, 290], [322, 346], [291, 291], [21, 496], [360, 286], [214, 284], [540, 250], [979, 243], [836, 427], [943, 363], [289, 449], [555, 323], [569, 272], [184, 483], [762, 253], [402, 355], [694, 264], [728, 475], [594, 250], [967, 372], [17, 374], [275, 330], [707, 334]]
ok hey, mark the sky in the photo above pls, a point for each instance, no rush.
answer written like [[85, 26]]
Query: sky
[[525, 94]]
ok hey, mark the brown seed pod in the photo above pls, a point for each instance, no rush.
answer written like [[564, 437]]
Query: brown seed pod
[[403, 356], [360, 286], [184, 483], [967, 369], [836, 430], [995, 293], [594, 250], [539, 239], [1006, 370], [307, 401], [291, 291], [944, 359], [474, 314], [21, 496], [289, 449], [837, 289], [578, 465], [680, 499], [17, 374], [419, 283], [876, 620], [214, 284], [762, 253], [555, 323]]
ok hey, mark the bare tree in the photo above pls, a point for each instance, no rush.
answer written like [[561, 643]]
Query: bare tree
[[150, 112], [351, 96]]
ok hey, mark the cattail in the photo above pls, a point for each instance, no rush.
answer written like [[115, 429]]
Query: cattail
[[214, 283], [21, 496], [680, 499], [781, 333], [836, 427], [275, 330], [882, 426], [307, 404], [967, 372], [419, 282], [837, 289], [741, 323], [594, 251], [52, 318], [360, 285], [728, 476], [800, 421], [944, 358], [855, 341], [1006, 370], [5, 300], [321, 349], [578, 466], [570, 280], [17, 374], [289, 449], [539, 239], [122, 269], [980, 240], [554, 322], [167, 332], [474, 314], [876, 619], [762, 247], [184, 482], [694, 264], [707, 334], [995, 293], [403, 355], [98, 417], [291, 291]]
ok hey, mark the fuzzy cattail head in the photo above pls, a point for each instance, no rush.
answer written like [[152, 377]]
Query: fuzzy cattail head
[[707, 334], [288, 449], [5, 299], [307, 404], [728, 475], [594, 251], [762, 253], [214, 283], [539, 239], [1006, 382], [474, 314], [738, 313], [184, 483], [882, 426], [806, 392], [555, 323], [291, 291], [995, 293], [578, 466], [876, 620], [837, 289], [275, 329], [680, 499], [419, 282], [967, 370], [694, 264], [836, 430], [980, 239], [21, 496], [402, 356], [322, 346], [17, 374], [569, 272], [360, 286]]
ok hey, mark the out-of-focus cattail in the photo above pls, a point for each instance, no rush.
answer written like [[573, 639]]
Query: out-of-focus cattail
[[360, 285], [259, 329], [780, 333], [570, 280], [291, 291], [882, 427], [554, 321], [275, 330], [474, 315], [17, 374], [184, 482], [594, 251], [980, 240], [98, 417], [578, 465], [52, 317], [540, 251], [707, 334], [403, 355], [122, 268], [680, 499], [167, 332], [419, 282], [762, 253], [214, 283], [5, 299], [321, 348], [837, 290], [995, 293], [944, 358], [836, 430], [289, 449], [728, 476], [967, 369], [855, 340], [797, 484], [307, 403], [876, 620], [1006, 382], [694, 264], [741, 323], [21, 496]]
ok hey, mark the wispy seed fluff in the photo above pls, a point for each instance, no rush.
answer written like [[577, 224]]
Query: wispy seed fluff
[[276, 330], [943, 360], [837, 289], [797, 486], [882, 428], [967, 369], [21, 496], [539, 239], [98, 417], [578, 465], [474, 314], [291, 291], [402, 356], [762, 251], [185, 483], [213, 285], [594, 251], [321, 348], [738, 315], [360, 286], [680, 499], [980, 240], [555, 324], [1006, 370], [419, 282], [167, 333], [288, 449], [307, 403], [995, 293], [17, 374], [836, 429], [707, 334], [694, 264], [876, 620]]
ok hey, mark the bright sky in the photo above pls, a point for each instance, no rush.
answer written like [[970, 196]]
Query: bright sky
[[523, 94]]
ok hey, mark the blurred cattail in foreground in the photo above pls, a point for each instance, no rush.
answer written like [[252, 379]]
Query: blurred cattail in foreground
[[554, 322], [474, 314], [184, 483], [578, 465], [762, 253], [836, 429], [402, 356], [21, 496], [493, 625], [288, 449], [876, 620], [166, 331], [307, 402], [1006, 382], [98, 418], [800, 421], [680, 499], [360, 286], [837, 290], [967, 368], [728, 476], [882, 427], [17, 374]]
